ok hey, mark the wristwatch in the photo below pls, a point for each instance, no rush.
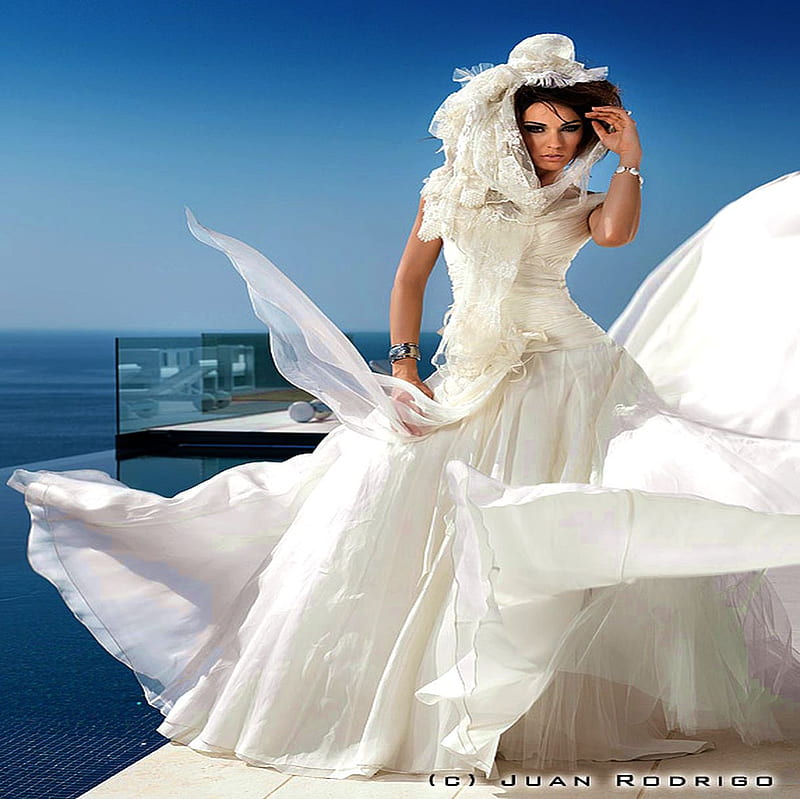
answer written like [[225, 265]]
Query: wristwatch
[[633, 170]]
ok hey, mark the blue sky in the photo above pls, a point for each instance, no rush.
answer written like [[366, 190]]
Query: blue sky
[[301, 130]]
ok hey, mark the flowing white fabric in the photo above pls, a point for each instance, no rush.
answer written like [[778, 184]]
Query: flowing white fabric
[[716, 327], [562, 566]]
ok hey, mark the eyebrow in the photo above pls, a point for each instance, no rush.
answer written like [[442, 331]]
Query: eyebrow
[[533, 122]]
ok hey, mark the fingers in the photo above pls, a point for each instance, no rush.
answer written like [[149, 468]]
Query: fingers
[[406, 399], [608, 113], [602, 125], [613, 116], [614, 109]]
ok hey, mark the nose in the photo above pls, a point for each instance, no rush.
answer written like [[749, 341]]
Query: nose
[[554, 141]]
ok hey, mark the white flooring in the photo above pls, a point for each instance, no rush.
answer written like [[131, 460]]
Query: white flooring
[[175, 771]]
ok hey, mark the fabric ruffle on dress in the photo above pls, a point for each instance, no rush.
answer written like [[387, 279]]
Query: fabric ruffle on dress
[[566, 561]]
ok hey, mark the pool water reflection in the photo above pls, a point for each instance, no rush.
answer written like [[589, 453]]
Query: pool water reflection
[[72, 714]]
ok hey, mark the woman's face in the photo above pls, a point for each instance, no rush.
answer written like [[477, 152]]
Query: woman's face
[[551, 134]]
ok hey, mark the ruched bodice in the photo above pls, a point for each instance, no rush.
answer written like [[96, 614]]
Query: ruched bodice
[[539, 301], [546, 306]]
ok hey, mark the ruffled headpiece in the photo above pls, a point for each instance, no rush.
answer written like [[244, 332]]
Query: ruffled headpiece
[[487, 195]]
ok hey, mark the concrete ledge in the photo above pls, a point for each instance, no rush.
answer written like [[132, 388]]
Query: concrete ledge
[[175, 771]]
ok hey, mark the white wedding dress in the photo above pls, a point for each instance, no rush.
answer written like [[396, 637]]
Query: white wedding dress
[[566, 563]]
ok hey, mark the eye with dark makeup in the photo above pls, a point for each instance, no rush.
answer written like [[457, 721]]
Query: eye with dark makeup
[[531, 128]]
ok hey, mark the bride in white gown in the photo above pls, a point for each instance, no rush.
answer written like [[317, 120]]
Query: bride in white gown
[[545, 552]]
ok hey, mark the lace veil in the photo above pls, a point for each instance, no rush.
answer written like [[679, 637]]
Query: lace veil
[[486, 197]]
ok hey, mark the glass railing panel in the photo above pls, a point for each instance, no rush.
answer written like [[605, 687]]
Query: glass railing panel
[[178, 380]]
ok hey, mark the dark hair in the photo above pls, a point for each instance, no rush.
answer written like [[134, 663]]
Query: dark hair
[[579, 96]]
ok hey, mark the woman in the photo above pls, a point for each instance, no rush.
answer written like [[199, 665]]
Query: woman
[[528, 555], [554, 133]]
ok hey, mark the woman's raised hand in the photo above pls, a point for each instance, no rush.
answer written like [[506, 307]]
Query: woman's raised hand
[[622, 137]]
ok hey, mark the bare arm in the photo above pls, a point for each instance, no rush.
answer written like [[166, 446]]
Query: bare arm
[[405, 307], [616, 221]]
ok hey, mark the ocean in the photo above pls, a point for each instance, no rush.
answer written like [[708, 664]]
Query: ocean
[[57, 388]]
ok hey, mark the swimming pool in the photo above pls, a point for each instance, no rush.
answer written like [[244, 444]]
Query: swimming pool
[[72, 715]]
